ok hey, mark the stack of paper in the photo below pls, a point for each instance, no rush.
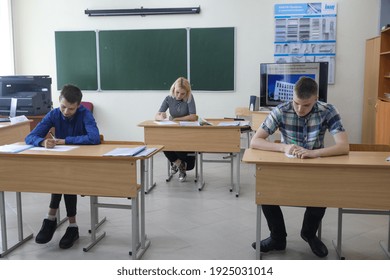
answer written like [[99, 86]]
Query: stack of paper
[[14, 148], [165, 122], [126, 151], [186, 123], [233, 123]]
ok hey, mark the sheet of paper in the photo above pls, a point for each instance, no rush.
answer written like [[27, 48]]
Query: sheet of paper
[[164, 122], [185, 123], [18, 119], [58, 148], [290, 156]]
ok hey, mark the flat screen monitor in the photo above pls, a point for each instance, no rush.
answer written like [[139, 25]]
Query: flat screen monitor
[[277, 80]]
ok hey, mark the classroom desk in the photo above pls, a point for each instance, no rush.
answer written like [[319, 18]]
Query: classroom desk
[[358, 180], [82, 171], [11, 133], [199, 139]]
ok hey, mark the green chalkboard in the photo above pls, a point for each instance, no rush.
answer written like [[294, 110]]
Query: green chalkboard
[[142, 59], [76, 59], [150, 59], [212, 58]]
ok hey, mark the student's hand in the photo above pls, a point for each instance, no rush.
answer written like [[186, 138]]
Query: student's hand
[[49, 143], [161, 116], [289, 149], [60, 142], [301, 152]]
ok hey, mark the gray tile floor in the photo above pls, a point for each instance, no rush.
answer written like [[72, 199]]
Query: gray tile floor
[[186, 224]]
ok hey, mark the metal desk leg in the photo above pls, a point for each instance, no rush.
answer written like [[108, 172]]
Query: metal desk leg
[[231, 172], [385, 248], [196, 167], [20, 219], [258, 232], [201, 179], [134, 228], [138, 219], [94, 224], [96, 215], [4, 240], [150, 184], [169, 177], [58, 216], [339, 234], [238, 162]]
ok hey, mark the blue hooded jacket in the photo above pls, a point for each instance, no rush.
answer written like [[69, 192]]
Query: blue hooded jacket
[[80, 129]]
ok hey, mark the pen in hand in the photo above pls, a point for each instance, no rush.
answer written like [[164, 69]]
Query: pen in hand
[[52, 136]]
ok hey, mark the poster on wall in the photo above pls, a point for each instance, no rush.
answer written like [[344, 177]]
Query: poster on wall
[[306, 33]]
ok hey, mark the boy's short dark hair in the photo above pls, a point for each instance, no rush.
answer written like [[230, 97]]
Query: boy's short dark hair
[[72, 94], [305, 88]]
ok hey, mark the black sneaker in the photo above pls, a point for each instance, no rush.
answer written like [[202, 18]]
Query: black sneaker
[[70, 236], [46, 232], [182, 171]]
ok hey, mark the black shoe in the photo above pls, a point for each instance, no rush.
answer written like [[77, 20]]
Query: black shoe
[[270, 244], [70, 236], [46, 232], [316, 245]]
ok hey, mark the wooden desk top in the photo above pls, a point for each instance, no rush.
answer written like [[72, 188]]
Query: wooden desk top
[[208, 138], [88, 151], [363, 159], [83, 171], [11, 133], [5, 125], [214, 122]]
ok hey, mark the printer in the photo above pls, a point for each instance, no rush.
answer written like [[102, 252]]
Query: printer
[[33, 95]]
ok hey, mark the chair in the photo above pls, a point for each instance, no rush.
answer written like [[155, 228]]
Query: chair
[[87, 105], [341, 211], [243, 113]]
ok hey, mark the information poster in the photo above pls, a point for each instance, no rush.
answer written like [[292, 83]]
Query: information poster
[[306, 33]]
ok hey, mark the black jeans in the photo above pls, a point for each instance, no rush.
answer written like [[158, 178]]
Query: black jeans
[[275, 220], [70, 203], [183, 156]]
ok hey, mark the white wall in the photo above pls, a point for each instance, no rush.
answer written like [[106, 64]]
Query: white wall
[[6, 49], [119, 112]]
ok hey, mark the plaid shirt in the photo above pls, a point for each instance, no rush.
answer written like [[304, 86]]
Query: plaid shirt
[[307, 131]]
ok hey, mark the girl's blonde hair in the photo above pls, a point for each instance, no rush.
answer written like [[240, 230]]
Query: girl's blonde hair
[[183, 83]]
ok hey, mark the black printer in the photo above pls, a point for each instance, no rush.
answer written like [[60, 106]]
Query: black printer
[[33, 94]]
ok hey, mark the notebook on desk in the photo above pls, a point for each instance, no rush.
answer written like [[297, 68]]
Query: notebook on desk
[[12, 110]]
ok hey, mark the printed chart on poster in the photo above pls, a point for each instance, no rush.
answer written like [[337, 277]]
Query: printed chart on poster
[[306, 33]]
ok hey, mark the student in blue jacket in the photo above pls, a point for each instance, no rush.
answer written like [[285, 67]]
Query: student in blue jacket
[[74, 125]]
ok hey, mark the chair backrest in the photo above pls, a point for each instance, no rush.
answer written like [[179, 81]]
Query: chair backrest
[[242, 112], [87, 105], [369, 147]]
